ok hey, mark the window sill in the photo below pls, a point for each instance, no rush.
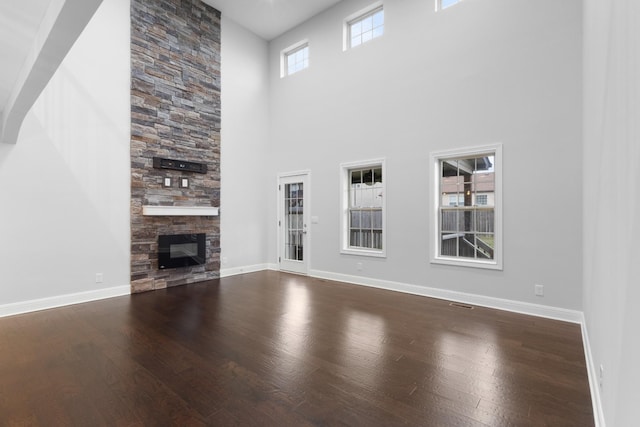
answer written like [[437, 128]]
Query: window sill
[[364, 252], [488, 265]]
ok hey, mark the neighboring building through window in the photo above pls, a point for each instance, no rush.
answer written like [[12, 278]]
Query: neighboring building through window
[[455, 199], [295, 58], [363, 208], [467, 216], [364, 26]]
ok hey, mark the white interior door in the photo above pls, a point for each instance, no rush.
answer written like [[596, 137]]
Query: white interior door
[[293, 220]]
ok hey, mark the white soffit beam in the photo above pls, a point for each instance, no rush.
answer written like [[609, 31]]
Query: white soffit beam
[[61, 26]]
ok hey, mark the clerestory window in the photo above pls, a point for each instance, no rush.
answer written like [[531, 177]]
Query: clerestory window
[[443, 4], [295, 58], [364, 26]]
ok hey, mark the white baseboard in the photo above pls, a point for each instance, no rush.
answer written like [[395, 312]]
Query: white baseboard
[[594, 384], [234, 271], [491, 302], [62, 300]]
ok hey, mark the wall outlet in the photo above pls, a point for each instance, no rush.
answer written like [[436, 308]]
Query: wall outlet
[[358, 266], [601, 375], [539, 290], [99, 278], [225, 260]]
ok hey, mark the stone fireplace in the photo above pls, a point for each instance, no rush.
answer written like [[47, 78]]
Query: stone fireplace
[[175, 114]]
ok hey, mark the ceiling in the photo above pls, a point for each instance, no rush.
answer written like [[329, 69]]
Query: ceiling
[[270, 18]]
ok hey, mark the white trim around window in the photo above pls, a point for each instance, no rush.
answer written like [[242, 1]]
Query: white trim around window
[[439, 204], [380, 232]]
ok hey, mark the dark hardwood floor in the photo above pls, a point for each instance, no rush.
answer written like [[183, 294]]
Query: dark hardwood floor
[[275, 349]]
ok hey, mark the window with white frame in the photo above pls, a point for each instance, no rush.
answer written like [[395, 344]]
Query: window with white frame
[[295, 58], [443, 4], [364, 26], [467, 211], [363, 220]]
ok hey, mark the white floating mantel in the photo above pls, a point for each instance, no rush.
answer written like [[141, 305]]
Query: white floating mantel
[[179, 211]]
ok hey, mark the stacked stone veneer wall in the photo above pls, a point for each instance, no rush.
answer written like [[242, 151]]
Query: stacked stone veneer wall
[[175, 113]]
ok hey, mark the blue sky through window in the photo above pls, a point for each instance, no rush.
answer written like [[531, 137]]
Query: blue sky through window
[[446, 3], [367, 28], [298, 60]]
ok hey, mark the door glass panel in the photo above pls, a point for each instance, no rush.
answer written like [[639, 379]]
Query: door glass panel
[[293, 221]]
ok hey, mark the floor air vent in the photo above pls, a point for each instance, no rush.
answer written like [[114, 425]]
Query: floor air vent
[[459, 305]]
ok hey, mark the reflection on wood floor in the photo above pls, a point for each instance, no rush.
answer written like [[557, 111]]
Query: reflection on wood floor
[[275, 349]]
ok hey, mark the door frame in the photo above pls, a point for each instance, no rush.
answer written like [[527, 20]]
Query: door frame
[[303, 176]]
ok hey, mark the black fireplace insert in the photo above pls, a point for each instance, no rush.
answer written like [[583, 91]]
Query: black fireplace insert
[[181, 250]]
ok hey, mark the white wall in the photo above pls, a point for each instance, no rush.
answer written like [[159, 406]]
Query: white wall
[[480, 72], [245, 133], [64, 213], [612, 202]]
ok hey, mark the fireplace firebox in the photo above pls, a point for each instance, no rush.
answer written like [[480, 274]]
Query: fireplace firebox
[[181, 250]]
